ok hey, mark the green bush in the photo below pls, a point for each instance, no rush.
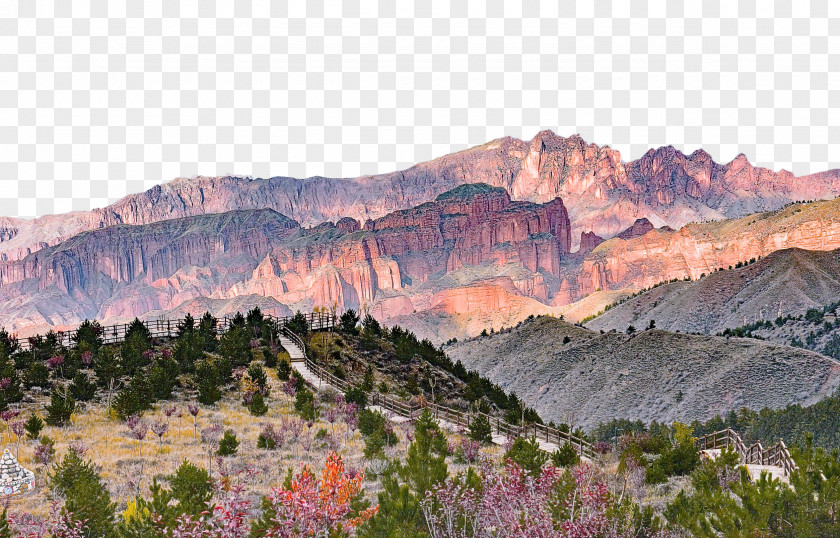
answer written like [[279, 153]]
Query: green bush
[[257, 406], [305, 404], [565, 456], [348, 321], [60, 409], [163, 378], [257, 374], [37, 375], [298, 324], [480, 430], [228, 444], [82, 388], [86, 497], [357, 396], [207, 381], [134, 398], [235, 346], [371, 421], [270, 359], [527, 454], [284, 370], [34, 426]]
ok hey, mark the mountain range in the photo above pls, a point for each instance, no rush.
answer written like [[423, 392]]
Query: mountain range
[[483, 237]]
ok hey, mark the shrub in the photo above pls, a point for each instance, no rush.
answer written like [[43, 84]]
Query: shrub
[[257, 406], [235, 346], [348, 321], [192, 487], [163, 377], [305, 403], [370, 421], [86, 497], [369, 380], [565, 456], [284, 370], [298, 324], [228, 444], [37, 375], [60, 409], [527, 454], [207, 380], [34, 426], [374, 445], [357, 396], [134, 398], [480, 430], [257, 375], [82, 388], [270, 359]]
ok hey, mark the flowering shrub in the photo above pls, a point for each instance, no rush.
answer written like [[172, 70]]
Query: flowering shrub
[[312, 507], [516, 503]]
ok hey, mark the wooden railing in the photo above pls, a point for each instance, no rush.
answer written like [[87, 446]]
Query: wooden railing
[[168, 328], [455, 416], [777, 455]]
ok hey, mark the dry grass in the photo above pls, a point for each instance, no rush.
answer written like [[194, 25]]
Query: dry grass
[[128, 466]]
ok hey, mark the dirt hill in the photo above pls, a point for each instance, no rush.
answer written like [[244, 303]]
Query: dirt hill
[[572, 374]]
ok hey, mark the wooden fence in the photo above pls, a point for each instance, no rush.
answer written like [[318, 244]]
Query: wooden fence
[[168, 328], [777, 455]]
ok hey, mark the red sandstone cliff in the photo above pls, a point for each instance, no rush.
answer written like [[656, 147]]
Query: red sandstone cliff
[[395, 265], [699, 249]]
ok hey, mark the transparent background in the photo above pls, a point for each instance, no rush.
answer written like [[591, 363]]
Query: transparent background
[[103, 98]]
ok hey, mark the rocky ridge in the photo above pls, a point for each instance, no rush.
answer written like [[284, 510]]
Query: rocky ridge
[[602, 193]]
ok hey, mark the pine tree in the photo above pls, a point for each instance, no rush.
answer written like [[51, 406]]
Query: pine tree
[[480, 429], [235, 346], [284, 370], [86, 496], [82, 388], [208, 383], [60, 409], [228, 444], [257, 406], [527, 454], [305, 404], [34, 426], [405, 485], [5, 531]]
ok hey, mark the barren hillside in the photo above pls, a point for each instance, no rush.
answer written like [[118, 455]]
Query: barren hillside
[[569, 373], [786, 282]]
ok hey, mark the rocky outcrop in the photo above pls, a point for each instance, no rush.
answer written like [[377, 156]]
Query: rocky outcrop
[[394, 265], [602, 193], [697, 250], [638, 229], [588, 242]]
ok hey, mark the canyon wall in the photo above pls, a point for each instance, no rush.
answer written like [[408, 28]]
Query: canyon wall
[[393, 265]]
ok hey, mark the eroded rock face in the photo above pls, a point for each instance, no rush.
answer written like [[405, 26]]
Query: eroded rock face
[[588, 242], [700, 249], [394, 265], [638, 229], [601, 193]]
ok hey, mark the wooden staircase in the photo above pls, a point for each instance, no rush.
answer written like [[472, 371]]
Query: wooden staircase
[[775, 460]]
